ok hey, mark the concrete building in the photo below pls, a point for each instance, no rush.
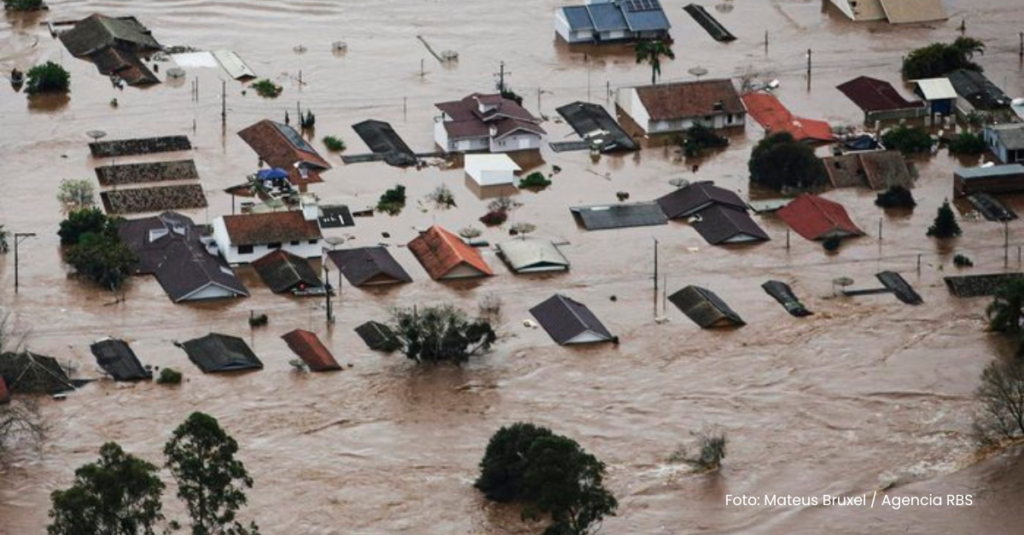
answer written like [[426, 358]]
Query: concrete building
[[675, 107]]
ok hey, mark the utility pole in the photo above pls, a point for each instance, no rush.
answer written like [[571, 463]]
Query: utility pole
[[766, 42], [327, 292], [422, 71], [1006, 244], [501, 74], [18, 236], [655, 278], [223, 103], [1021, 53], [879, 229]]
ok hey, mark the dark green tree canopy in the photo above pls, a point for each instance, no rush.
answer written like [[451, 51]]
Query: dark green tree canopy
[[907, 139], [84, 221], [441, 333], [550, 474], [945, 225], [47, 78], [117, 495], [780, 162], [211, 481], [95, 249], [938, 59], [651, 52]]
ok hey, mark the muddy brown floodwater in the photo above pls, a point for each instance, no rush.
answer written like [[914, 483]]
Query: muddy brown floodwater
[[864, 394]]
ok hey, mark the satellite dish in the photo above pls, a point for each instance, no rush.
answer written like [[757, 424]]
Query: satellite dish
[[698, 71], [724, 8], [96, 134], [679, 182]]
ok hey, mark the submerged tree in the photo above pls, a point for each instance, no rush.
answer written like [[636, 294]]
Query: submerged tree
[[441, 333], [211, 481], [779, 162], [711, 448], [651, 52], [945, 225], [1006, 311], [47, 78], [117, 495], [1002, 396], [938, 59], [76, 194]]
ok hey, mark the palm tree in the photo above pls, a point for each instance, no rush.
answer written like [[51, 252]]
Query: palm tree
[[968, 47], [651, 52]]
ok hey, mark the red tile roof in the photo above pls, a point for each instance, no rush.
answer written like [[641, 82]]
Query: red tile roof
[[5, 395], [440, 252], [816, 218], [271, 227], [279, 145], [774, 117], [683, 100], [871, 94], [311, 350]]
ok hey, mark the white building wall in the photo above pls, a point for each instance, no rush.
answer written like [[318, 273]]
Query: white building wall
[[230, 252], [520, 141], [463, 271], [638, 112], [562, 26], [210, 291], [844, 6], [441, 135]]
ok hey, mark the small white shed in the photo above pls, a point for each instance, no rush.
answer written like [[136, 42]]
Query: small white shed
[[491, 169]]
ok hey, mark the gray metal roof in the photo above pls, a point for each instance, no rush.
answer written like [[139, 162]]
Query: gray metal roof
[[720, 224], [609, 216], [644, 15], [565, 319], [532, 254], [607, 17], [1010, 135], [995, 171], [117, 359], [578, 18], [705, 308], [221, 353]]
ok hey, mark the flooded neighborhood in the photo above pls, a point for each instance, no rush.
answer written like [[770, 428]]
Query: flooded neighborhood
[[657, 226]]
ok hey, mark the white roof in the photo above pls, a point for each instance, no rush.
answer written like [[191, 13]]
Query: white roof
[[233, 64], [489, 162], [936, 88], [523, 253]]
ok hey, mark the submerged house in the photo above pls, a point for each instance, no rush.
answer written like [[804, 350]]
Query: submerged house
[[118, 360], [939, 95], [244, 238], [280, 146], [993, 179], [817, 218], [491, 169], [596, 127], [774, 117], [976, 92], [221, 353], [378, 337], [570, 322], [717, 214], [115, 45], [687, 201], [311, 350], [486, 123], [283, 272], [603, 21], [616, 216], [1006, 141], [532, 255], [878, 170], [30, 373], [705, 308], [894, 11], [675, 107], [445, 256], [184, 261], [880, 101], [368, 266]]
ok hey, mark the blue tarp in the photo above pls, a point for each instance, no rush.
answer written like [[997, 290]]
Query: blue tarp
[[271, 174]]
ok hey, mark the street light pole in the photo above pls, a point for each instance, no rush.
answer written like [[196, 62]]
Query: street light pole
[[18, 236]]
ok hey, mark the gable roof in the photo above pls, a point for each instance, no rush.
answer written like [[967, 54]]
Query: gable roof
[[721, 225], [505, 115], [117, 359], [368, 265], [872, 94], [270, 227], [382, 139], [684, 100], [97, 32], [633, 15], [782, 293], [644, 15], [378, 336], [1009, 135], [280, 145], [170, 247], [527, 255], [684, 202], [607, 17], [936, 88], [282, 272], [817, 218], [29, 373], [705, 308], [877, 170], [603, 217], [440, 252], [978, 90], [221, 353], [565, 319], [311, 350], [910, 11], [774, 117], [594, 124]]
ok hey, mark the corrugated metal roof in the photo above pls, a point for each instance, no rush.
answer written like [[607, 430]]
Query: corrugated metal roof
[[1010, 135], [936, 88], [909, 11], [532, 253], [994, 171], [233, 64], [705, 308], [610, 216], [117, 359]]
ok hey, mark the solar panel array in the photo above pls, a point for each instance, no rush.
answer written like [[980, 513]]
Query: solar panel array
[[294, 137], [642, 5]]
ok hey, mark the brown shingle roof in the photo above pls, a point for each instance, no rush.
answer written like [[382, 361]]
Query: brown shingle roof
[[272, 227], [440, 252], [279, 145], [684, 100], [467, 121]]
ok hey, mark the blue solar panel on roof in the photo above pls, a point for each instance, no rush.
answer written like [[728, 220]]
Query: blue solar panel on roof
[[642, 5], [293, 137]]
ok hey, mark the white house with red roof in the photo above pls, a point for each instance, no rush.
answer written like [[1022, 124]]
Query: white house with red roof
[[486, 123]]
